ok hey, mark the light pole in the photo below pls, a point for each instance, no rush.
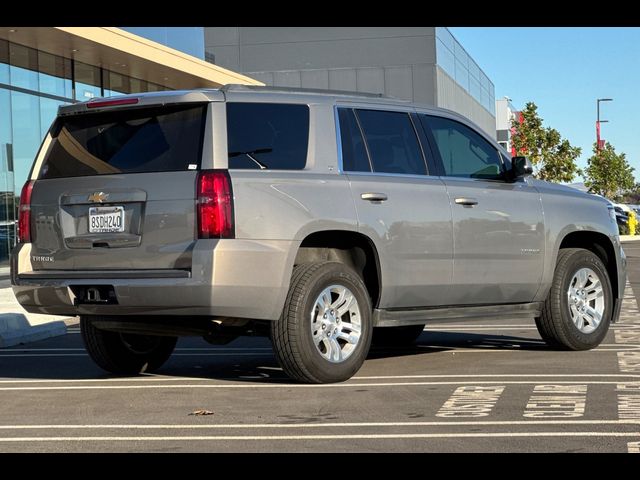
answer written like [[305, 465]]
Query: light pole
[[598, 121]]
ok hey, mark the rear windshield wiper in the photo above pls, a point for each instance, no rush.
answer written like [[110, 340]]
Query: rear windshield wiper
[[251, 154]]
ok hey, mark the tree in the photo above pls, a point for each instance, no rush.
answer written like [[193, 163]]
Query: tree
[[608, 173], [553, 158]]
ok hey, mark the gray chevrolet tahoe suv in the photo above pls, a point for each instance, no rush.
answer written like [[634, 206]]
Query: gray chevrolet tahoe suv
[[314, 217]]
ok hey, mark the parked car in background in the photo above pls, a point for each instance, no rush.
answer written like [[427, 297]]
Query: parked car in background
[[7, 238], [622, 217], [616, 212], [635, 208], [625, 208]]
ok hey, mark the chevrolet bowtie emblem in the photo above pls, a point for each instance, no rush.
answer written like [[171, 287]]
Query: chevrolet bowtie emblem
[[98, 197]]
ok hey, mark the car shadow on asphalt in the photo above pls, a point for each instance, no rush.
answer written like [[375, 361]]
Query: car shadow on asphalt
[[243, 360], [433, 342]]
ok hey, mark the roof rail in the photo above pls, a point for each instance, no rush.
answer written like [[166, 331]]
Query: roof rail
[[318, 91]]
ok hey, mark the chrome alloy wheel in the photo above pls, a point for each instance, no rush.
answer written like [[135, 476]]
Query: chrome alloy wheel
[[586, 300], [336, 323]]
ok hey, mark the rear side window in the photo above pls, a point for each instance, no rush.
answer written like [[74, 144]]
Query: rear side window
[[354, 153], [392, 142], [126, 141], [464, 152], [267, 135]]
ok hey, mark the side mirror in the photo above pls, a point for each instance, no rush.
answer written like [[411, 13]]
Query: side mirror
[[520, 167]]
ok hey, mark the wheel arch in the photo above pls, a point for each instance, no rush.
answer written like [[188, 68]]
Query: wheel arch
[[348, 247], [598, 243]]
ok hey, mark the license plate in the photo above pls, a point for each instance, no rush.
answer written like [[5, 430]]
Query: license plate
[[106, 219]]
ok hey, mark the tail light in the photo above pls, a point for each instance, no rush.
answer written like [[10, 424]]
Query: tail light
[[215, 205], [24, 213]]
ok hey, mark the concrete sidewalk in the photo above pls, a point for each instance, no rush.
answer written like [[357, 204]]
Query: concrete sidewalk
[[629, 238], [17, 326]]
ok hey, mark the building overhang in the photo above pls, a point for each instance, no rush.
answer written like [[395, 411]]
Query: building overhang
[[125, 53]]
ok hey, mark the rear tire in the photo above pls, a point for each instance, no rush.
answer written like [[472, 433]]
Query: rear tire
[[396, 336], [125, 353], [324, 333], [577, 312]]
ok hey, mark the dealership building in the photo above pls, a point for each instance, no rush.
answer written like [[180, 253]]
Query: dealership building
[[42, 68], [422, 64]]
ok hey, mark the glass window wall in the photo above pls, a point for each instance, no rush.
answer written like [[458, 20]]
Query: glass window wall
[[23, 67], [87, 82], [7, 208], [54, 74], [4, 62], [33, 84], [456, 62], [25, 125]]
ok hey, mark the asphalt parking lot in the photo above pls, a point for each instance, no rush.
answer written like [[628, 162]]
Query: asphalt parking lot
[[489, 386]]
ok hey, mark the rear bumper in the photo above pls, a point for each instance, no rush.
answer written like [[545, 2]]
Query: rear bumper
[[230, 278]]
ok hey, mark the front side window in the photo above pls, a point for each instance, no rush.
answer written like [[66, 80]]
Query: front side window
[[464, 152], [392, 142], [267, 136]]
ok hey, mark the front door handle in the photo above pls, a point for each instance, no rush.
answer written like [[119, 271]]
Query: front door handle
[[466, 201], [374, 197]]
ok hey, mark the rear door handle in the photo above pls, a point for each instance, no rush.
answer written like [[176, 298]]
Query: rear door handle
[[374, 197], [466, 201]]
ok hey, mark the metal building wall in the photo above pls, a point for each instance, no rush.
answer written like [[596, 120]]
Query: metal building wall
[[452, 96], [309, 48], [413, 82], [396, 61]]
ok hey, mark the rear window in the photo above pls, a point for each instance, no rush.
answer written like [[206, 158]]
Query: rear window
[[393, 145], [267, 136], [126, 141]]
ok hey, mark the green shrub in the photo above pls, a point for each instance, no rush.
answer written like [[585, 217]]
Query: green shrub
[[623, 229]]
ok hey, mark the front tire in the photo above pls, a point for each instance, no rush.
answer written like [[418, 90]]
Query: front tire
[[577, 312], [324, 333], [125, 353]]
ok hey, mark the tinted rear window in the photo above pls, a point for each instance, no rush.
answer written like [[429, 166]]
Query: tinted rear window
[[393, 145], [354, 154], [267, 135], [126, 141]]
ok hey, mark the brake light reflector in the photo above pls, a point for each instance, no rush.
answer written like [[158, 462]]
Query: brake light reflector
[[112, 103], [215, 204], [24, 213]]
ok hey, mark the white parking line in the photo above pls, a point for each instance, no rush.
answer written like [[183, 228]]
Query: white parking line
[[14, 349], [224, 349], [2, 354], [142, 378], [444, 349], [160, 378], [475, 327], [244, 426], [500, 375], [290, 386], [379, 436], [482, 325], [207, 354]]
